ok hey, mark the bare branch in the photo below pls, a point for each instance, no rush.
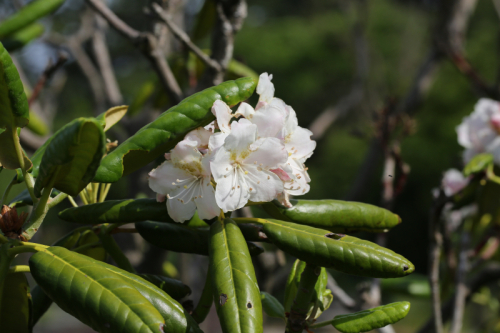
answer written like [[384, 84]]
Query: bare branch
[[147, 43], [461, 294], [340, 294], [183, 37], [46, 75], [104, 61], [113, 20]]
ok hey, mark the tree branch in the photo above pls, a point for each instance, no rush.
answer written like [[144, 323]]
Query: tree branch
[[184, 38]]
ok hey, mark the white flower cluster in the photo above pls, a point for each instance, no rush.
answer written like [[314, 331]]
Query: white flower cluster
[[258, 158], [480, 132]]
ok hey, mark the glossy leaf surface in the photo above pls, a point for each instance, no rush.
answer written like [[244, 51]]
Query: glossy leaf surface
[[118, 211], [175, 288], [335, 215], [27, 15], [341, 252], [163, 134], [24, 198], [89, 237], [272, 307], [22, 37], [104, 297], [72, 157], [16, 304], [14, 112], [364, 321], [235, 290]]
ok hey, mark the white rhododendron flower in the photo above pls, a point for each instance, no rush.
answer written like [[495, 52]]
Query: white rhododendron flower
[[479, 132], [241, 167], [185, 181], [259, 158], [453, 182]]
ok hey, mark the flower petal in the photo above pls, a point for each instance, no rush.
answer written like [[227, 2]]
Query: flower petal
[[263, 185], [270, 121], [217, 140], [164, 179], [200, 136], [453, 181], [180, 212], [206, 204], [299, 143], [265, 88], [223, 114], [245, 110], [243, 134], [268, 153]]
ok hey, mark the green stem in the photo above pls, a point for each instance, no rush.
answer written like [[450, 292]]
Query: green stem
[[249, 220], [5, 260], [27, 247], [38, 214], [56, 200], [205, 303], [111, 247], [491, 174], [6, 193], [70, 198], [305, 292], [104, 192], [321, 324], [30, 185], [3, 239], [95, 188], [19, 269], [83, 197], [28, 179]]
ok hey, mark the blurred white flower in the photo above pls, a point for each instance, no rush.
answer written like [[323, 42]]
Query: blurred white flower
[[453, 182], [479, 132], [185, 181]]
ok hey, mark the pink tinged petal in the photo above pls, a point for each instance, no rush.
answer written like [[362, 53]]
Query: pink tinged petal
[[243, 134], [494, 148], [262, 185], [495, 122], [284, 199], [270, 122], [299, 144], [463, 135], [180, 212], [166, 178], [453, 182], [245, 110], [223, 114], [168, 156], [281, 174], [206, 204], [217, 140], [160, 197], [265, 88], [200, 136], [267, 153]]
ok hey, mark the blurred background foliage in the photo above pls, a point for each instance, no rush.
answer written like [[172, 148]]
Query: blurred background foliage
[[310, 48]]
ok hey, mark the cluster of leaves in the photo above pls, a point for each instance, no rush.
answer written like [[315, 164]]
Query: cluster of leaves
[[72, 272]]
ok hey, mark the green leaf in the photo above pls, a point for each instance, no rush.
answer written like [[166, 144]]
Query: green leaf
[[272, 307], [118, 211], [235, 290], [14, 113], [335, 215], [364, 321], [23, 37], [89, 237], [107, 298], [27, 15], [16, 304], [343, 253], [163, 134], [479, 163], [179, 238], [175, 288], [109, 118], [71, 158]]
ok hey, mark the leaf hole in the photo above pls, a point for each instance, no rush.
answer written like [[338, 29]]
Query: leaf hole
[[334, 236], [405, 268], [162, 328], [249, 305], [222, 299]]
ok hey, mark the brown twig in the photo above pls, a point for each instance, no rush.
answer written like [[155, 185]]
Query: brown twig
[[184, 38], [147, 43], [46, 75]]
